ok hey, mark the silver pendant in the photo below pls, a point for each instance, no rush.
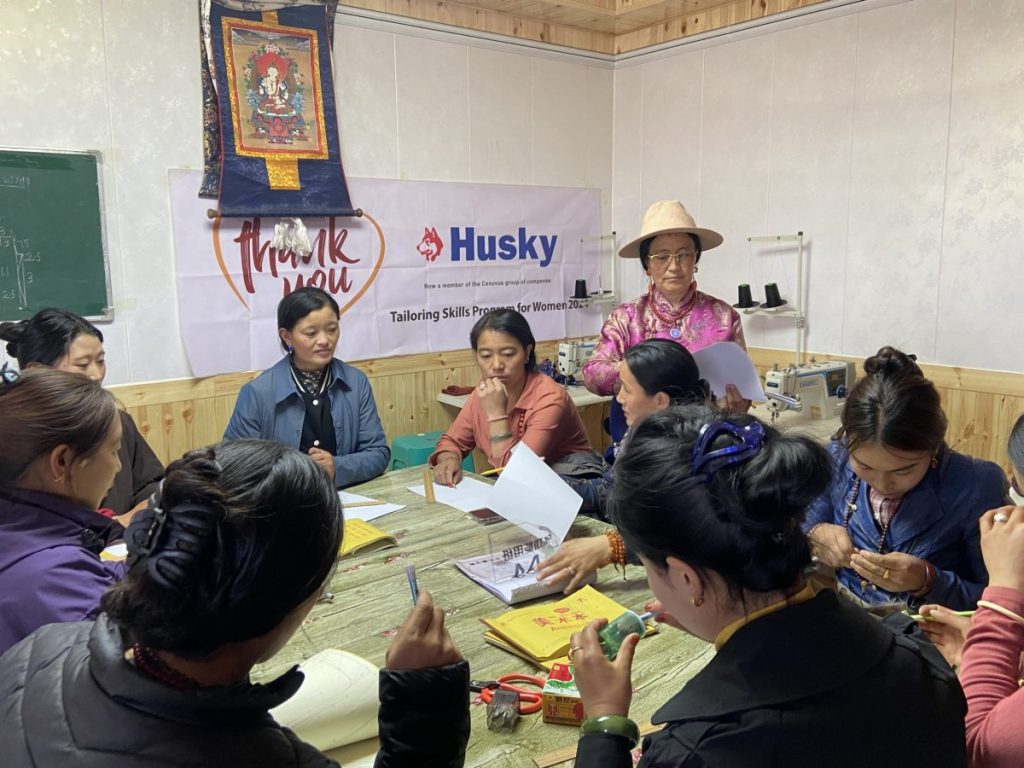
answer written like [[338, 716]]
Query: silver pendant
[[675, 333]]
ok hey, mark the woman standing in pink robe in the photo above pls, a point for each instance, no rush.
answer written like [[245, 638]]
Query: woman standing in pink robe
[[669, 248]]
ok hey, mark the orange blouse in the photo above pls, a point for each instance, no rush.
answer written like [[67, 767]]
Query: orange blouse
[[544, 417]]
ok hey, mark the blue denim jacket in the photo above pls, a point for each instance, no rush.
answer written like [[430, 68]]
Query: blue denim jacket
[[937, 522], [271, 407]]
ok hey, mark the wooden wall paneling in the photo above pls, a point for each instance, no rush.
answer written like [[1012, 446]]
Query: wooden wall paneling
[[176, 416]]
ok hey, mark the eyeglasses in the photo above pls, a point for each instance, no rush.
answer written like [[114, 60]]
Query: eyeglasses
[[662, 258]]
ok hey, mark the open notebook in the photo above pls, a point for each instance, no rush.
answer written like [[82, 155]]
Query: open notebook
[[337, 703]]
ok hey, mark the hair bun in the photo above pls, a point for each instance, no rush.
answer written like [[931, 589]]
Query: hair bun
[[11, 333], [889, 361]]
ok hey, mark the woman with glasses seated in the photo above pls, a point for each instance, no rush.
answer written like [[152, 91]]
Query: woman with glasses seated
[[669, 248], [713, 505]]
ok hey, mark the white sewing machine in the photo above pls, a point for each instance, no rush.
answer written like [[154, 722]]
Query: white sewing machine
[[817, 390], [572, 355]]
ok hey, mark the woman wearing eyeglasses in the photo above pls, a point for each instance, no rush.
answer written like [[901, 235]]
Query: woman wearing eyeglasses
[[669, 248]]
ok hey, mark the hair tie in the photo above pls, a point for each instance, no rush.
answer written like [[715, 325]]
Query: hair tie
[[708, 460], [173, 542]]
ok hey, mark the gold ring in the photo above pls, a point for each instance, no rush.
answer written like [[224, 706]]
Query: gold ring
[[885, 574], [573, 650]]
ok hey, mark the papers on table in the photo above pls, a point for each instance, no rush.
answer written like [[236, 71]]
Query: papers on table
[[468, 495], [365, 512], [337, 703], [727, 363], [541, 507]]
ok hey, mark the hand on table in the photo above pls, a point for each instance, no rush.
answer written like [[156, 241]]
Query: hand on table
[[733, 402], [1002, 546], [493, 397], [422, 641], [448, 469], [575, 560], [893, 572], [831, 544], [946, 630], [324, 459]]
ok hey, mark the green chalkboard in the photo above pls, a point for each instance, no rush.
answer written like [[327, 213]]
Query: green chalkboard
[[52, 249]]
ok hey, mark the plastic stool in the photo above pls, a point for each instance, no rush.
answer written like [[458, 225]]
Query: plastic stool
[[411, 450]]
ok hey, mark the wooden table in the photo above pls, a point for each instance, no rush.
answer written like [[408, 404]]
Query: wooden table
[[371, 599]]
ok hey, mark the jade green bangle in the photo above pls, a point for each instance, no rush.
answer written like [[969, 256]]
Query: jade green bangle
[[613, 725]]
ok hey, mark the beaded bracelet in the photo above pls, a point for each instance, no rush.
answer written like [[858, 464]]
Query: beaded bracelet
[[617, 548], [1000, 609], [613, 725]]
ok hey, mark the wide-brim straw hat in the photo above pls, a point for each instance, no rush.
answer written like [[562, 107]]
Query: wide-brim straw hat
[[667, 217]]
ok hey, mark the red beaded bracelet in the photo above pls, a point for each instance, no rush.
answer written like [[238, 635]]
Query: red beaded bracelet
[[617, 548]]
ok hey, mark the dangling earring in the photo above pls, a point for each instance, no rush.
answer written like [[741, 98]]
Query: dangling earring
[[290, 349], [697, 602], [935, 461]]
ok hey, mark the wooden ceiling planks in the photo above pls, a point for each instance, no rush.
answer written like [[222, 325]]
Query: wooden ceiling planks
[[604, 26]]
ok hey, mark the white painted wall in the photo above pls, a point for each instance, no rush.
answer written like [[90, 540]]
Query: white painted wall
[[893, 137], [122, 76]]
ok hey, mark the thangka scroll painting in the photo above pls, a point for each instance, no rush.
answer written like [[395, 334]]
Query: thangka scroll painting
[[275, 97]]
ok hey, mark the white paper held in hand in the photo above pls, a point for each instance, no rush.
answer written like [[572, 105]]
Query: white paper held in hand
[[727, 363], [530, 494]]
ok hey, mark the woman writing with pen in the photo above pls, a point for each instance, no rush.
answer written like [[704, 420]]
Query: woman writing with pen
[[241, 541]]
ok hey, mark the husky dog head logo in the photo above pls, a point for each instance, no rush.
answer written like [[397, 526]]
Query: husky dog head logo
[[430, 246]]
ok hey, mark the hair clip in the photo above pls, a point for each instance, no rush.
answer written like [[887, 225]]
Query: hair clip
[[750, 438], [144, 532], [8, 375]]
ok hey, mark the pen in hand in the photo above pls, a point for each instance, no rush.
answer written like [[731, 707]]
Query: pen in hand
[[410, 573]]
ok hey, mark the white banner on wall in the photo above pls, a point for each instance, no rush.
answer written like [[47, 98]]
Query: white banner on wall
[[413, 275]]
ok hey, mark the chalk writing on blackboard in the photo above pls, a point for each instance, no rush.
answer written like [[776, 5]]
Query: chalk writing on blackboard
[[16, 182], [18, 258]]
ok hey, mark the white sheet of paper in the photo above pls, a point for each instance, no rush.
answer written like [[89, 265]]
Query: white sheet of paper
[[727, 363], [530, 494], [468, 495], [366, 513], [337, 703]]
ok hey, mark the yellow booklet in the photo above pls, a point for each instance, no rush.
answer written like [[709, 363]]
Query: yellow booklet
[[542, 631], [361, 537], [499, 642]]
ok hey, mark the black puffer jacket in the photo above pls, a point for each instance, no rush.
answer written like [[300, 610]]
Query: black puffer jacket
[[68, 698]]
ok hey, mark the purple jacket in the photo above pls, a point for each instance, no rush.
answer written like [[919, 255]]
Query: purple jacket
[[50, 570]]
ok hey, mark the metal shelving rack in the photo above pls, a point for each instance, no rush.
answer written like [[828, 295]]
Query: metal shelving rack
[[796, 310]]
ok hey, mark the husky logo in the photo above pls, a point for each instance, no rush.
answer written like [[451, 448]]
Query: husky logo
[[467, 245], [430, 246]]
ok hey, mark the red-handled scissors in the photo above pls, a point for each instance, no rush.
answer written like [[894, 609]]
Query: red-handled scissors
[[529, 701]]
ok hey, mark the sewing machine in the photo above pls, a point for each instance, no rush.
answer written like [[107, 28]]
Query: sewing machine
[[817, 390], [572, 355]]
